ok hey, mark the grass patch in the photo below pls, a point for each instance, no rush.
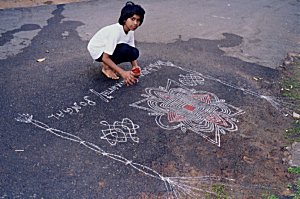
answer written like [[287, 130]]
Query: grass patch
[[290, 86], [297, 193], [295, 187], [294, 170], [293, 133], [296, 190], [290, 89], [220, 192], [269, 196]]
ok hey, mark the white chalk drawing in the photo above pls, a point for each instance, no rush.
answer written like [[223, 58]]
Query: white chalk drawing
[[220, 17], [176, 187], [191, 79], [202, 112], [75, 108], [120, 131], [106, 95], [277, 103]]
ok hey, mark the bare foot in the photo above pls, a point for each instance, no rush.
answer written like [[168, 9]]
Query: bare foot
[[108, 72]]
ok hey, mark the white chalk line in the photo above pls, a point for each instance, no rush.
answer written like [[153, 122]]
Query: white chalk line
[[175, 186]]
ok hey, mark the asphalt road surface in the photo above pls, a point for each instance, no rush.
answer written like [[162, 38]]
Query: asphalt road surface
[[204, 120]]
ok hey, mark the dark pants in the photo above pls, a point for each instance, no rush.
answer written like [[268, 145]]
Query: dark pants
[[123, 53]]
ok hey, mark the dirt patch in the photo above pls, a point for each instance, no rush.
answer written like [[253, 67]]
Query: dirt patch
[[4, 4]]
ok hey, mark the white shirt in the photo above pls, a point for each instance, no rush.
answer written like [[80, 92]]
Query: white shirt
[[107, 38]]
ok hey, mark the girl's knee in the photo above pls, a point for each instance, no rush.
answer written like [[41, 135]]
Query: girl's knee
[[135, 53]]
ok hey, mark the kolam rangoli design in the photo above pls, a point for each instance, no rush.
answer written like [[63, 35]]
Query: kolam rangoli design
[[176, 106]]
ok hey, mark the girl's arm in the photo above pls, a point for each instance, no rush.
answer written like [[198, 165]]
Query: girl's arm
[[126, 75], [134, 64]]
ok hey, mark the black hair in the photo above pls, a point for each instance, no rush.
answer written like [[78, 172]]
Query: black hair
[[129, 10]]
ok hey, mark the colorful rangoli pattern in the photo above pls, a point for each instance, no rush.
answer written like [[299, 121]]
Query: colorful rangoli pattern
[[202, 112]]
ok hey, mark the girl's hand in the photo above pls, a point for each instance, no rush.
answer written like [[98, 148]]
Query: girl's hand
[[128, 78]]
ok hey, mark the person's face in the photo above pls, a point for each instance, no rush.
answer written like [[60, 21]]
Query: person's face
[[132, 23]]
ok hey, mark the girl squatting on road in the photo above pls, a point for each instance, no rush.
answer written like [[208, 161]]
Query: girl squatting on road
[[114, 44]]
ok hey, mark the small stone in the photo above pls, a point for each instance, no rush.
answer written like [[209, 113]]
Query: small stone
[[286, 153], [41, 60], [293, 54], [286, 62], [296, 115]]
